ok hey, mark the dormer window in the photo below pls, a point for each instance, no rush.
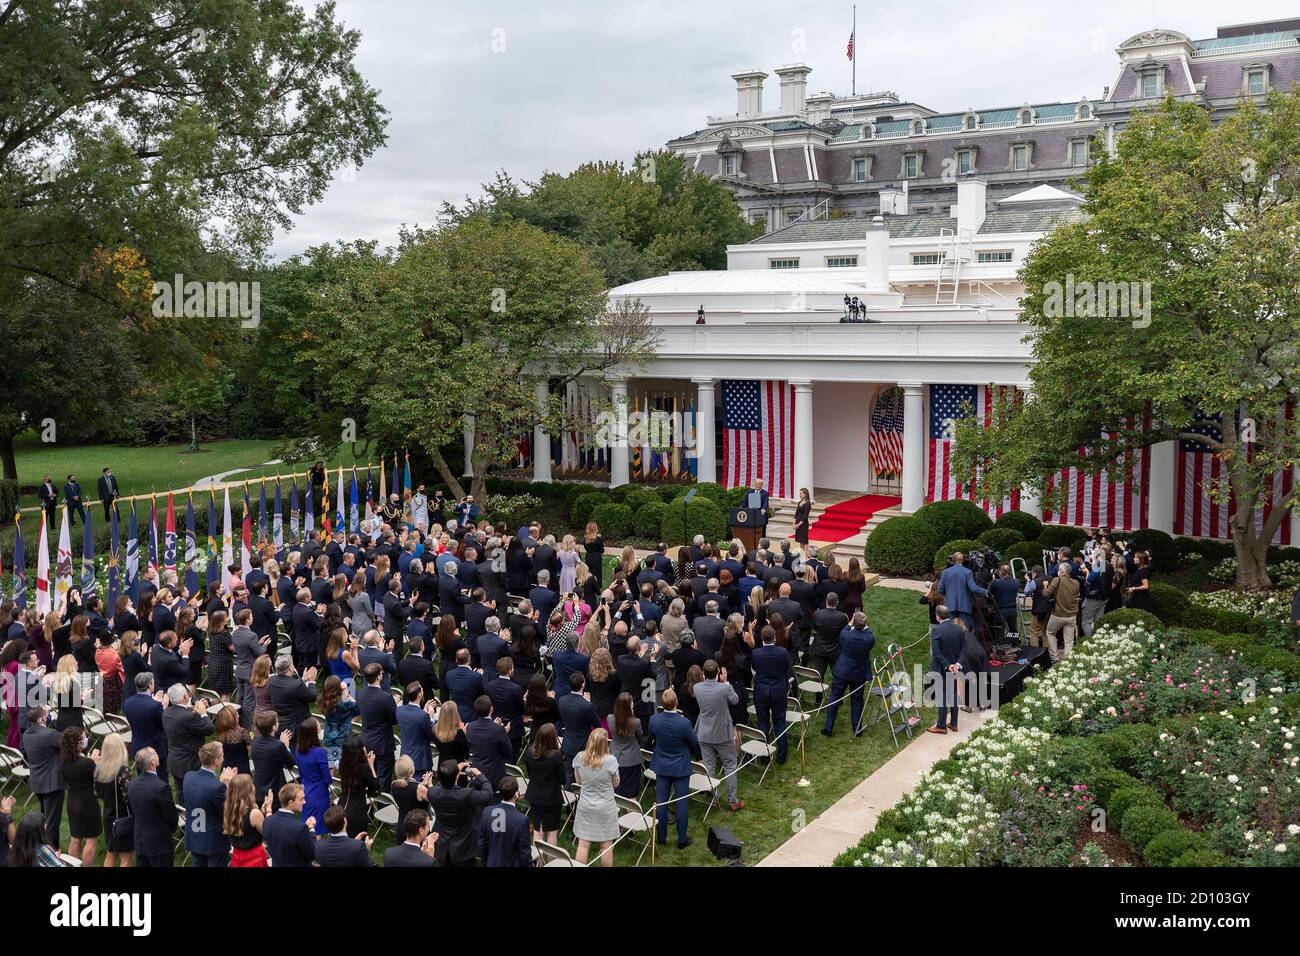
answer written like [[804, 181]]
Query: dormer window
[[918, 127], [1026, 117], [1256, 80], [1084, 112], [861, 169], [970, 122], [868, 131], [1078, 152], [1149, 85], [1020, 157], [730, 164]]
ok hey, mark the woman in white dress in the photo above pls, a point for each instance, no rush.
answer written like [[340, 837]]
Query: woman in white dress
[[596, 770], [569, 558]]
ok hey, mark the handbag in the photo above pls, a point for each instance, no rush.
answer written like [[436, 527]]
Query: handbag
[[123, 826]]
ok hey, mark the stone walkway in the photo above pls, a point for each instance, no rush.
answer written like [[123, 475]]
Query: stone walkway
[[218, 479], [847, 820]]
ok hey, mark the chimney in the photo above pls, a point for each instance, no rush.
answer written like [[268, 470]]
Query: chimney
[[794, 86], [971, 207], [819, 107], [893, 200], [749, 92], [876, 256]]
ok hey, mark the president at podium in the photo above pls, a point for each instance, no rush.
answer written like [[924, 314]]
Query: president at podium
[[756, 501]]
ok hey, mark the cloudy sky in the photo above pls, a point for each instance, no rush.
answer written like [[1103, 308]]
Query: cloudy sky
[[474, 86]]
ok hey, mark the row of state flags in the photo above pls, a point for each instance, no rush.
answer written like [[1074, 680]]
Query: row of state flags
[[665, 450], [164, 553]]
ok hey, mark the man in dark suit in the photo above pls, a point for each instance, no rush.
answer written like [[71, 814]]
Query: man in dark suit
[[545, 558], [491, 647], [464, 685], [154, 811], [489, 742], [577, 720], [772, 672], [756, 499], [415, 727], [305, 628], [827, 622], [415, 668], [265, 617], [291, 696], [204, 799], [41, 746], [636, 674], [851, 670], [508, 702], [504, 836], [566, 663], [792, 615], [456, 812], [372, 652], [709, 629], [684, 658], [650, 611], [710, 593], [542, 598], [396, 612], [108, 493], [169, 660], [451, 600], [288, 839], [378, 713], [337, 849], [72, 498], [675, 745], [270, 757], [477, 613], [144, 713], [421, 846], [959, 590], [946, 641], [49, 496], [187, 727]]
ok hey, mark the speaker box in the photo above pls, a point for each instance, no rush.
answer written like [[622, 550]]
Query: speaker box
[[723, 844]]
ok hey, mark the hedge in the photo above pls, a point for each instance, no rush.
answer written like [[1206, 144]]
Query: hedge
[[1168, 603], [709, 489], [902, 545], [648, 519], [634, 498], [1030, 551], [1203, 858], [1129, 798], [1143, 822], [1105, 782], [8, 499], [582, 507], [702, 515], [1028, 526], [614, 519], [1161, 547], [1168, 846], [956, 518], [1212, 551], [1057, 536], [999, 539], [1251, 649], [1128, 615], [1124, 746], [1276, 553], [964, 545], [667, 493]]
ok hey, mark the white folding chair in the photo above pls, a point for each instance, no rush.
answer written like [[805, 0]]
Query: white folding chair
[[808, 681], [700, 781], [633, 818], [554, 855], [384, 811], [753, 743]]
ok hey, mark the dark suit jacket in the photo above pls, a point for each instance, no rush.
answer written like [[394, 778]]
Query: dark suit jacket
[[675, 744], [41, 746], [854, 663], [708, 635], [186, 733], [416, 731], [378, 713], [168, 667], [508, 704], [464, 686], [637, 675], [106, 487], [504, 838], [415, 669], [145, 715], [270, 760], [450, 600], [491, 648], [489, 749], [543, 601], [291, 697], [396, 613], [339, 850], [946, 641], [545, 558], [408, 855], [579, 719], [264, 617], [155, 814], [827, 625], [701, 602], [566, 663], [792, 615], [306, 629], [287, 840], [204, 799], [367, 655], [772, 668], [456, 814], [476, 616]]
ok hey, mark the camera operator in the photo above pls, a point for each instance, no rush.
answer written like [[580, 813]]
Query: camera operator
[[1003, 590], [1097, 590]]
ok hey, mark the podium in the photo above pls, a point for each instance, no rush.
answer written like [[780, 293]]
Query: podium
[[746, 525]]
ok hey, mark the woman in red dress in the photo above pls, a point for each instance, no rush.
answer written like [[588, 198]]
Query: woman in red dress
[[243, 823]]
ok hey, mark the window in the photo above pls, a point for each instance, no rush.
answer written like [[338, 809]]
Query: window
[[1026, 117], [792, 215], [918, 127], [841, 262], [1084, 112], [1079, 152], [1256, 82], [730, 164], [994, 255], [1020, 156], [912, 166], [783, 263], [965, 160], [868, 131], [970, 122], [925, 258], [1150, 85], [859, 170]]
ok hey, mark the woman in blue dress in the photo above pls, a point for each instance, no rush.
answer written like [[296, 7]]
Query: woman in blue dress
[[339, 708], [314, 773]]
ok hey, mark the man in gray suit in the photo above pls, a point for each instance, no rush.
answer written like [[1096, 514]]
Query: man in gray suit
[[709, 629], [714, 728], [248, 648], [41, 745]]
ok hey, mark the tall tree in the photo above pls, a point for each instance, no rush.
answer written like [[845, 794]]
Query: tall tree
[[1202, 222]]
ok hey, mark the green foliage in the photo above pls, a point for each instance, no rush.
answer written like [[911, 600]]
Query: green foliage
[[8, 499], [667, 492], [999, 539], [1169, 603], [702, 516], [902, 545], [1201, 858], [956, 518], [1128, 615], [1126, 745], [615, 520], [638, 497], [1142, 823], [946, 550], [734, 497], [709, 489], [1030, 551], [583, 506], [649, 519], [1028, 526], [1105, 782], [1168, 846], [1121, 801], [1161, 547], [1062, 536]]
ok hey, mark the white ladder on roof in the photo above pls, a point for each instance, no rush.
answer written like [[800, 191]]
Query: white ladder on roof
[[956, 246]]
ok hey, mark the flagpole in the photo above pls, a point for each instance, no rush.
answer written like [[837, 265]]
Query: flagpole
[[855, 49]]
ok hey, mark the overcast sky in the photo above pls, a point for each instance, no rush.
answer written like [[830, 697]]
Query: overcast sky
[[473, 86]]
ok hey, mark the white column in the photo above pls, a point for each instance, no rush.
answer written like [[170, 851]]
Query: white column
[[1160, 501], [706, 464], [913, 446], [469, 447], [803, 438], [541, 440], [618, 451]]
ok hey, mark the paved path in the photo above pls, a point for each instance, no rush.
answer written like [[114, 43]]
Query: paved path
[[213, 480], [847, 820]]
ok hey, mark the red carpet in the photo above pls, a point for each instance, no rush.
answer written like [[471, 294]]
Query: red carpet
[[846, 519]]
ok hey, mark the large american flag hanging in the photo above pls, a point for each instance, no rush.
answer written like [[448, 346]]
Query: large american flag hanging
[[948, 405], [1200, 469], [1111, 498], [758, 434], [885, 445]]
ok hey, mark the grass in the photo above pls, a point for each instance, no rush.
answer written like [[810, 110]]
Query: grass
[[775, 811]]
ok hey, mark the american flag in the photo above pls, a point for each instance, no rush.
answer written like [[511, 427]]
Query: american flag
[[886, 443], [948, 405], [1111, 498], [1201, 471], [850, 46], [758, 434]]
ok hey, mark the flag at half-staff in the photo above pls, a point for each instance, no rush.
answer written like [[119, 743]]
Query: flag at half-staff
[[191, 550], [114, 545], [20, 565]]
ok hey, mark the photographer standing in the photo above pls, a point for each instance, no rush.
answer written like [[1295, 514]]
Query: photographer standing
[[1097, 591], [1063, 590], [958, 587]]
